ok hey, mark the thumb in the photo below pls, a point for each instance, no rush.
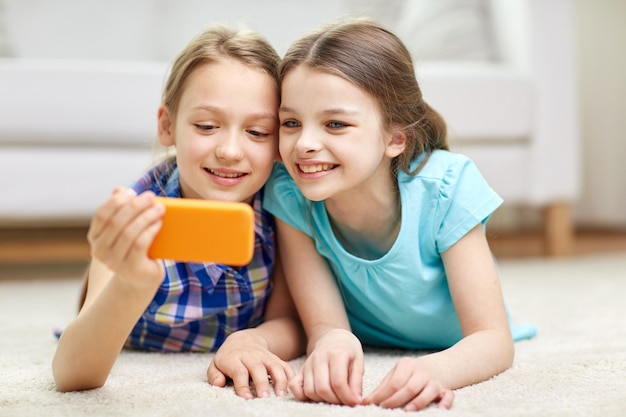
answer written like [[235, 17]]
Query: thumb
[[296, 386], [356, 377], [215, 376]]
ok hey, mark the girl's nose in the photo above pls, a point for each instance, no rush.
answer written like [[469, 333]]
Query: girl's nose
[[230, 147], [308, 142]]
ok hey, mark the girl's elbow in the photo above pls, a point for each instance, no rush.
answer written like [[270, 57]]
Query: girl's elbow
[[507, 352], [69, 381], [72, 386]]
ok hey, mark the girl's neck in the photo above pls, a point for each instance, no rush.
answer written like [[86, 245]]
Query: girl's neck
[[367, 223]]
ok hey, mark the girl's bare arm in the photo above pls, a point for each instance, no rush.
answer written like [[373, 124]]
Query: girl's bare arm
[[487, 345], [486, 348], [333, 371], [120, 234]]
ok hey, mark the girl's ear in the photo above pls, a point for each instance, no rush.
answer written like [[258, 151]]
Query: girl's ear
[[165, 125], [396, 143]]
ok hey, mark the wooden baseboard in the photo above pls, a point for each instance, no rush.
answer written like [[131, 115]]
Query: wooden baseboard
[[527, 244], [44, 245], [69, 244]]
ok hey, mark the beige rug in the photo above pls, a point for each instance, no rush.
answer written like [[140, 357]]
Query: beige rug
[[576, 366]]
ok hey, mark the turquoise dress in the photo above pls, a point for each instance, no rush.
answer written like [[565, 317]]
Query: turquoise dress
[[401, 299]]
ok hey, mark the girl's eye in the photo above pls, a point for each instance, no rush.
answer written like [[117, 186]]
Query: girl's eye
[[257, 133], [336, 125], [290, 124], [205, 128]]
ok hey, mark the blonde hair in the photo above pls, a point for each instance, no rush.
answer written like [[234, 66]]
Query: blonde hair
[[213, 44], [370, 56]]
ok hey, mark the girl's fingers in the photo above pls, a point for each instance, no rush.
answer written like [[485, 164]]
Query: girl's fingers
[[446, 399], [130, 229], [318, 386], [241, 382], [381, 392], [146, 227], [258, 373], [106, 211], [215, 377], [281, 374], [329, 382], [431, 393], [340, 378], [417, 391], [356, 378], [309, 383], [296, 386]]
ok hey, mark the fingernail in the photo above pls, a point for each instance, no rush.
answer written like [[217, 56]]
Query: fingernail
[[147, 196], [159, 208]]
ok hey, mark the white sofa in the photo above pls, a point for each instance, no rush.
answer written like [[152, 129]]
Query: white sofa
[[71, 130], [518, 118]]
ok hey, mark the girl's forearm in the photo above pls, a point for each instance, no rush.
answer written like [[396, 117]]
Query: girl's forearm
[[475, 358], [90, 345], [284, 337]]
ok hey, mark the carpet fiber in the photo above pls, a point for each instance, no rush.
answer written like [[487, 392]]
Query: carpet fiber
[[576, 366]]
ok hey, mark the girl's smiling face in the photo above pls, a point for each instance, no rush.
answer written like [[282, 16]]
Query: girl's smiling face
[[331, 136], [225, 131]]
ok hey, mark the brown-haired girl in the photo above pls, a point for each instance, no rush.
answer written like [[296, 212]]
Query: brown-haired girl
[[381, 227]]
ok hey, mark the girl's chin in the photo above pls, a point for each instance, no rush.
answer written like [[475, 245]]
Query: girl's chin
[[314, 195], [234, 197]]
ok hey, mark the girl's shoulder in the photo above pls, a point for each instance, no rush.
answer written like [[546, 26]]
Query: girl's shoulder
[[161, 178], [280, 187], [285, 201], [439, 163]]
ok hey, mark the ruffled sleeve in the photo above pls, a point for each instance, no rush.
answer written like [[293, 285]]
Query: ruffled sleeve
[[465, 199]]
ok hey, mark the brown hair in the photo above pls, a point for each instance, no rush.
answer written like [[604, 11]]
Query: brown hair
[[370, 56], [209, 46]]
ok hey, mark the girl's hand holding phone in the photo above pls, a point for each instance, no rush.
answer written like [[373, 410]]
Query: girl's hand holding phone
[[121, 232]]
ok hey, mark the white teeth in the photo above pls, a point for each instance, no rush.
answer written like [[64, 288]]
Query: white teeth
[[226, 175], [310, 169]]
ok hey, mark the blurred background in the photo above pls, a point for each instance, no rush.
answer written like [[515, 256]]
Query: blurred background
[[80, 83]]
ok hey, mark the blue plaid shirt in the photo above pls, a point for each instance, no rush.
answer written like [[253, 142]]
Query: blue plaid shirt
[[199, 304]]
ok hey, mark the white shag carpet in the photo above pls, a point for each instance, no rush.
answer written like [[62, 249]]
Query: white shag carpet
[[576, 366]]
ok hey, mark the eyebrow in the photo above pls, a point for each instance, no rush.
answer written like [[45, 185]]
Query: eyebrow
[[257, 115], [337, 110]]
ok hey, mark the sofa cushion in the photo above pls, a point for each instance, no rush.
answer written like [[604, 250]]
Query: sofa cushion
[[447, 29], [64, 183], [96, 103], [480, 101]]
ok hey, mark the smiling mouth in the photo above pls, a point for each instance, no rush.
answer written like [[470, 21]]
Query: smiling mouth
[[312, 169], [225, 174]]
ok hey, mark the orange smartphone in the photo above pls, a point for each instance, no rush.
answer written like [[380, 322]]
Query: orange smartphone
[[205, 231]]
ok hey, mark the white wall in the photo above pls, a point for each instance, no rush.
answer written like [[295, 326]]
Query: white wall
[[99, 29], [602, 61]]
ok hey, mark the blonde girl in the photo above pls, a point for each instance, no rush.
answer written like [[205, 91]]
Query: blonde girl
[[219, 111]]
